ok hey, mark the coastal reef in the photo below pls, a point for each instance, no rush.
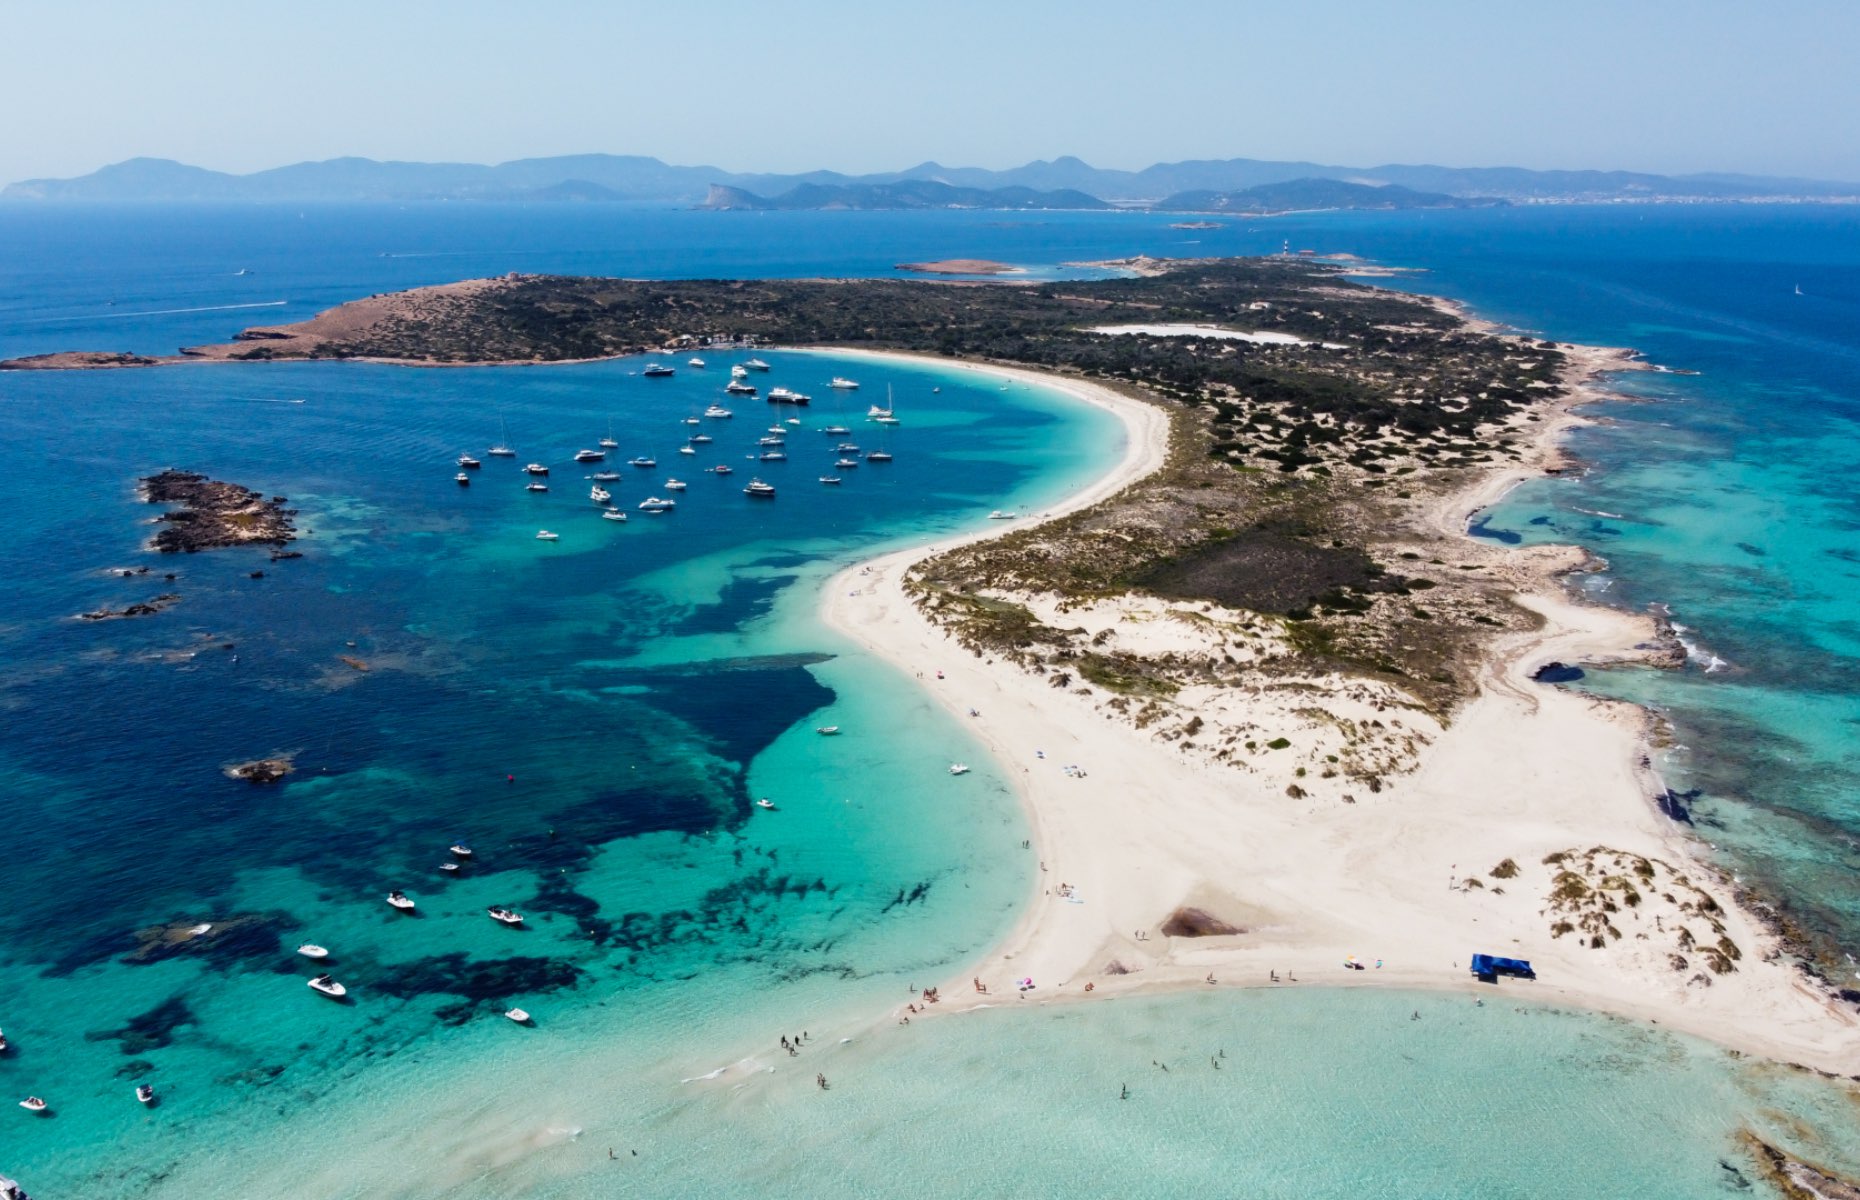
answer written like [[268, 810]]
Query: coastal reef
[[213, 514]]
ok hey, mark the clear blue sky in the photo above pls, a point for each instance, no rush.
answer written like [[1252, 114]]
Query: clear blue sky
[[1768, 87]]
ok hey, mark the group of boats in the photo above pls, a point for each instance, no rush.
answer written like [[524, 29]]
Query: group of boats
[[772, 447]]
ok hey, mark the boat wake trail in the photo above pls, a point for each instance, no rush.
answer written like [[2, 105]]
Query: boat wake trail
[[155, 312]]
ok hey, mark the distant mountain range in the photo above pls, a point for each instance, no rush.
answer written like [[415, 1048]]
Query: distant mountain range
[[635, 180]]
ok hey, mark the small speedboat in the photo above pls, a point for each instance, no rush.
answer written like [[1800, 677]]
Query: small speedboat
[[604, 476], [614, 514], [33, 1104], [312, 950], [145, 1093], [767, 803], [781, 429], [771, 441], [844, 384], [723, 469], [999, 515], [794, 420], [848, 447], [878, 456], [756, 364], [738, 371], [674, 485], [959, 768], [760, 490], [694, 362], [686, 450], [543, 535], [327, 985], [599, 494], [469, 463], [460, 850], [717, 411], [536, 487], [463, 478], [830, 479], [772, 456], [536, 469], [2, 1041], [586, 456], [400, 900], [449, 868], [644, 460], [517, 1015], [846, 464], [658, 371], [504, 916], [836, 431], [692, 421], [827, 730], [702, 439], [737, 387], [657, 504]]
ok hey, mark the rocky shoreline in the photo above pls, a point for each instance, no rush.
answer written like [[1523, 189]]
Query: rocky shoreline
[[214, 514]]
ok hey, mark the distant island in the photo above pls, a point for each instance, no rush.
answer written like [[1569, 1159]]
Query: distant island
[[1065, 182], [1304, 194], [962, 266]]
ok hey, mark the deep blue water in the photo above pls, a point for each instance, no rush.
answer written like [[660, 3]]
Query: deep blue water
[[597, 714]]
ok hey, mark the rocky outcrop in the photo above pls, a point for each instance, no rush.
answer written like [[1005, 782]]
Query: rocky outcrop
[[146, 608], [214, 514]]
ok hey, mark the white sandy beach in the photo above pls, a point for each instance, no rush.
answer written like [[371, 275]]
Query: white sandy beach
[[1524, 771]]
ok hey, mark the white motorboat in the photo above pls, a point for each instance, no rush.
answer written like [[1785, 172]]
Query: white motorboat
[[738, 371], [674, 485], [460, 850], [760, 490], [614, 514], [658, 371], [449, 868], [517, 1015], [145, 1093], [794, 420], [846, 464], [723, 469], [848, 447], [998, 515], [772, 441], [878, 456], [400, 900], [464, 480], [959, 768], [657, 504], [785, 396], [836, 431], [536, 487], [599, 494], [327, 985], [702, 439], [2, 1041], [830, 479], [692, 421], [469, 463], [644, 460], [827, 730], [782, 430], [694, 362], [504, 916], [737, 387], [686, 450], [717, 411], [312, 950], [33, 1104], [604, 476], [844, 384], [765, 802], [756, 364], [587, 456], [536, 469], [772, 456], [543, 535]]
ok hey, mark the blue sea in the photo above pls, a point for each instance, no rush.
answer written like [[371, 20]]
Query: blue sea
[[597, 715]]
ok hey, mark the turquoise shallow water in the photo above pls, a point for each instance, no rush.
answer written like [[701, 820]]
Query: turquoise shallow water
[[643, 684]]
